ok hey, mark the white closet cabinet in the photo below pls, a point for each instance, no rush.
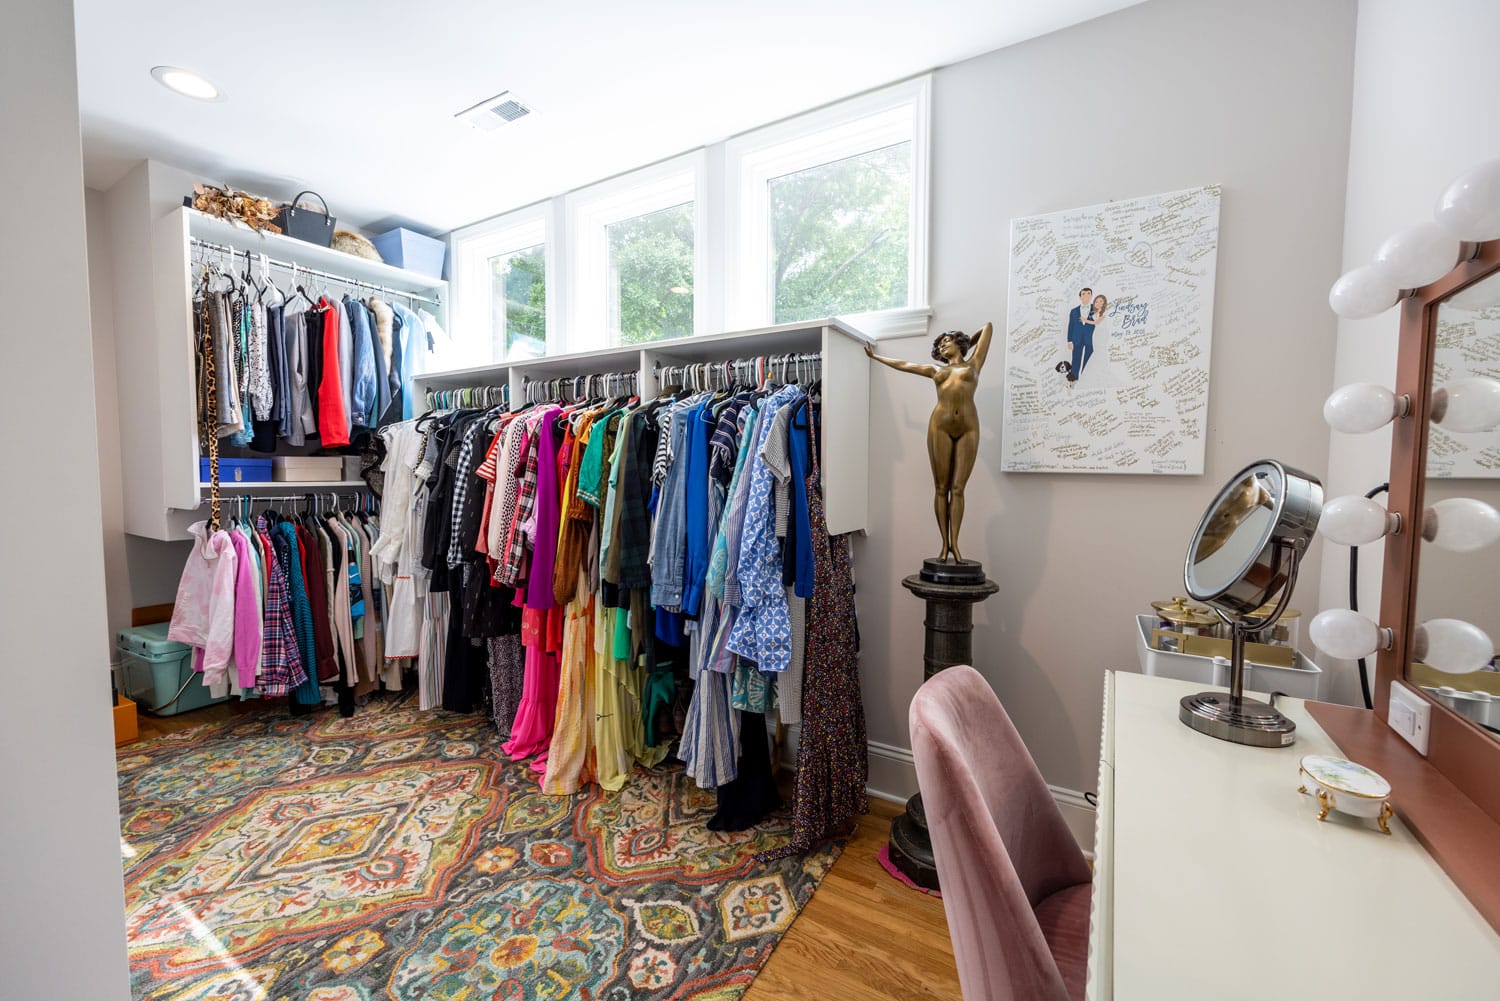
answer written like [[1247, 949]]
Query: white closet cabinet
[[845, 424], [154, 332]]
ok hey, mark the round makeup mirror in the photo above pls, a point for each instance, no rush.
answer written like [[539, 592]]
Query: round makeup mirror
[[1245, 554]]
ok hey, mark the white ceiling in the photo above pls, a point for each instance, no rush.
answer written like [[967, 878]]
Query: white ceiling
[[355, 99]]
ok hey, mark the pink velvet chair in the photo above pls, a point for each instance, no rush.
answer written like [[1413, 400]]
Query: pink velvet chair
[[1015, 884]]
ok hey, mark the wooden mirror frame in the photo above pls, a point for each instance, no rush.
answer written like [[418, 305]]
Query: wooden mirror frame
[[1451, 798], [1463, 751]]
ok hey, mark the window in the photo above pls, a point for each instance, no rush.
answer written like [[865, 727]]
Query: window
[[636, 257], [821, 215], [500, 287], [839, 236], [650, 293], [829, 218], [518, 298]]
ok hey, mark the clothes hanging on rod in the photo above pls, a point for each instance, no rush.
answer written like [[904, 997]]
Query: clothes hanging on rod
[[468, 397], [304, 362], [285, 604], [625, 574], [292, 266]]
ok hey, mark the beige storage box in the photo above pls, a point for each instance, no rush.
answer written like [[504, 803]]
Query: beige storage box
[[307, 468]]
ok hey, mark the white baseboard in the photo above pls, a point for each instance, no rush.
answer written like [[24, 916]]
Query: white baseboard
[[893, 778], [893, 772], [1079, 813]]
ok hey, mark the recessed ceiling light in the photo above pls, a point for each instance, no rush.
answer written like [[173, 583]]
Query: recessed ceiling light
[[187, 83]]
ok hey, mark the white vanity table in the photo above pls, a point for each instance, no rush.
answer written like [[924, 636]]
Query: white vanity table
[[1214, 879]]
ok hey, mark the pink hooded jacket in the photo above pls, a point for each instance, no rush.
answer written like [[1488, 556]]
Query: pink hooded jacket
[[203, 616]]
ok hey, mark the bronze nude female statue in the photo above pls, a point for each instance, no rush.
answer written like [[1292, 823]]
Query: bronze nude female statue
[[953, 429]]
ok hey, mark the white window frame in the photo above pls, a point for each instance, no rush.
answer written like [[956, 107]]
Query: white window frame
[[590, 211], [871, 121], [472, 248]]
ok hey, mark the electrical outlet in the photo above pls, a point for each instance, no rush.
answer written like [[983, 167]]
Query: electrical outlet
[[1410, 715]]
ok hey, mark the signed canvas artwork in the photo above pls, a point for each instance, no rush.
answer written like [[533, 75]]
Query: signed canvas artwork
[[1108, 333]]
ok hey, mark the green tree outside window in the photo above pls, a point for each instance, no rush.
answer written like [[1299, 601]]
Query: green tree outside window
[[839, 236]]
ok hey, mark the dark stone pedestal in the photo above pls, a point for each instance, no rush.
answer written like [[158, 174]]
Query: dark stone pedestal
[[951, 591]]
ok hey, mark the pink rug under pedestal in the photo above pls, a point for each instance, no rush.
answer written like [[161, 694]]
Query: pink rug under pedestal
[[885, 863]]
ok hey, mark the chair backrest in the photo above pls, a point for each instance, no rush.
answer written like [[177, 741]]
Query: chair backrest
[[1000, 842]]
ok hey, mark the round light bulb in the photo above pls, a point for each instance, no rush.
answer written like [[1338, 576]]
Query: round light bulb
[[1360, 408], [1354, 521], [1470, 208], [1452, 646], [1461, 524], [1346, 635], [1467, 405], [1419, 255], [1368, 290]]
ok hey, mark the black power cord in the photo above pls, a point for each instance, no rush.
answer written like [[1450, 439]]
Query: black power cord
[[1364, 672]]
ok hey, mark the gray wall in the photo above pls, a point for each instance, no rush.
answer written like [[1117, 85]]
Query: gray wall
[[62, 920], [1177, 94]]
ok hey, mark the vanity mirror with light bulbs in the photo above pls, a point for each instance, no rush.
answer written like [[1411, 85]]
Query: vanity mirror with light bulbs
[[1439, 612], [1458, 575]]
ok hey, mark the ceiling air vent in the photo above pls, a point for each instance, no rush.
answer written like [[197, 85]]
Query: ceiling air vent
[[490, 114]]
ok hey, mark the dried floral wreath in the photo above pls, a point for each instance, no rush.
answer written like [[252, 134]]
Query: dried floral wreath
[[227, 203]]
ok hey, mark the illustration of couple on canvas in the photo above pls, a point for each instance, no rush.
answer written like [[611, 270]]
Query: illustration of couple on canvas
[[1085, 321]]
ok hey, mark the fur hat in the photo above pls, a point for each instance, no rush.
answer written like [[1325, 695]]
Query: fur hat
[[353, 243]]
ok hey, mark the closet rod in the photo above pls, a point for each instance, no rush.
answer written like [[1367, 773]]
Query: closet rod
[[310, 495], [777, 365], [294, 268]]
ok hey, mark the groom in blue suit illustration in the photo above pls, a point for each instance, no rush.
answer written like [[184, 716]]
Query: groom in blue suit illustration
[[1080, 333]]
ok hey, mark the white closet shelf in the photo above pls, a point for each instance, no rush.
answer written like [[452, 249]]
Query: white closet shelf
[[846, 390], [154, 284], [781, 339], [288, 486], [307, 255]]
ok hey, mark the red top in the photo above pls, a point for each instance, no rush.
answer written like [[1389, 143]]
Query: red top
[[333, 421]]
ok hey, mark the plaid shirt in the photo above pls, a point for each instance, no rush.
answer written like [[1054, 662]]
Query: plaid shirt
[[281, 664], [504, 513], [463, 494], [524, 470]]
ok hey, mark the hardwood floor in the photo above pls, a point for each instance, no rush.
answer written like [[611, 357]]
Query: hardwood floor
[[159, 726], [863, 935]]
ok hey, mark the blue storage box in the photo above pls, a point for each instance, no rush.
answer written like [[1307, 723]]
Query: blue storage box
[[238, 470], [403, 248], [159, 672]]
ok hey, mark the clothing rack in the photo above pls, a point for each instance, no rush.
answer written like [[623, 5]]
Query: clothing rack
[[295, 268], [784, 368], [581, 387], [246, 502], [469, 397]]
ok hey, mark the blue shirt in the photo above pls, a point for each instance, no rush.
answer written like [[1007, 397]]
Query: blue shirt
[[363, 393], [413, 354], [763, 631], [801, 527], [700, 426]]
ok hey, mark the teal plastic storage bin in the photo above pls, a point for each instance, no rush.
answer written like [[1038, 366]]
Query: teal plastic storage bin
[[157, 668]]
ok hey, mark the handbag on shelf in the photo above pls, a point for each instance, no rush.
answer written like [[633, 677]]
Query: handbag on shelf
[[307, 224]]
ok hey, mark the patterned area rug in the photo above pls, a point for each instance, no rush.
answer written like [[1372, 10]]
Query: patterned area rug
[[399, 855]]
